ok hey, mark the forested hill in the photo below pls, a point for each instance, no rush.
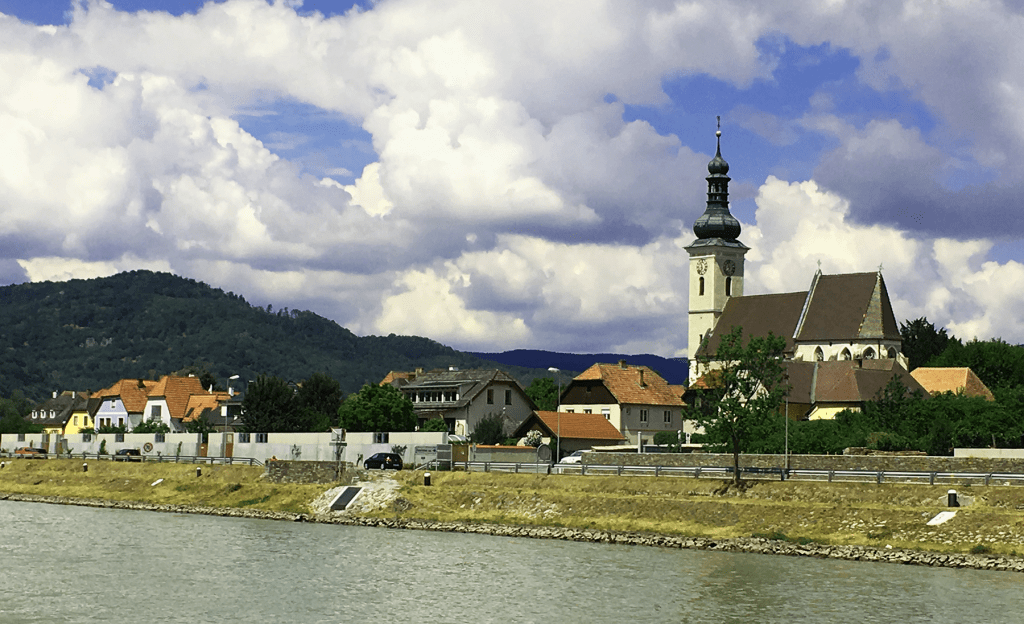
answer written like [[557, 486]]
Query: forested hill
[[87, 334]]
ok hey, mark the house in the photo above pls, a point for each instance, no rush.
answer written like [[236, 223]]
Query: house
[[634, 399], [464, 397], [839, 317], [576, 431], [937, 380], [171, 400], [222, 410], [58, 413], [168, 400]]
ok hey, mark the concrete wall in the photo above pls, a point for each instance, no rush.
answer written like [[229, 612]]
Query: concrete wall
[[283, 446], [812, 462], [989, 452]]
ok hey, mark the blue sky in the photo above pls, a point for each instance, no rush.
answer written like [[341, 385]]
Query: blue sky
[[499, 175]]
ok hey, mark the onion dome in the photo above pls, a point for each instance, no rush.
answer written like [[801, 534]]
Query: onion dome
[[717, 221]]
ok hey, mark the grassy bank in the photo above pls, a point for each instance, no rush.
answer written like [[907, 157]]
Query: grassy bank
[[992, 519], [836, 513], [219, 486]]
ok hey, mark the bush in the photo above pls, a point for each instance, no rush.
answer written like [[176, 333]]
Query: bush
[[435, 424], [490, 430]]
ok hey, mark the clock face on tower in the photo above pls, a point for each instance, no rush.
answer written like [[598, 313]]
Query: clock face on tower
[[728, 267], [702, 266]]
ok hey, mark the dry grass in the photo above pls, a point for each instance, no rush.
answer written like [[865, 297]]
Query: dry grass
[[836, 513], [219, 486]]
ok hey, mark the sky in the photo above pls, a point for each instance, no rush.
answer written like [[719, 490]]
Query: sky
[[499, 174]]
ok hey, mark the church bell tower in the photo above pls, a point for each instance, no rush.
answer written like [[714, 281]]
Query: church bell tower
[[716, 257]]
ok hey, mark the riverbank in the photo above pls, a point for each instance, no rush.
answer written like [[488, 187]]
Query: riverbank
[[867, 522]]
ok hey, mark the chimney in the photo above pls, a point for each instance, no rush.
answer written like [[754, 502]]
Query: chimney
[[55, 394], [642, 384], [622, 364]]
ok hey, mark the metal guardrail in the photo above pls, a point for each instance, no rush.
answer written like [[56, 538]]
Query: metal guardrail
[[174, 459], [763, 474]]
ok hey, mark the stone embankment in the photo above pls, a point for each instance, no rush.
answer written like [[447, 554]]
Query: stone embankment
[[743, 545]]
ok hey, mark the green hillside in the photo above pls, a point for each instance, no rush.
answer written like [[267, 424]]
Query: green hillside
[[87, 334]]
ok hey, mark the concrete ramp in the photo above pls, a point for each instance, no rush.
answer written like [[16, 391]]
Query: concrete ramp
[[345, 498]]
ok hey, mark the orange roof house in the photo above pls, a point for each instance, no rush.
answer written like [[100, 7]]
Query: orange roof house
[[938, 380], [636, 400], [576, 431], [171, 400]]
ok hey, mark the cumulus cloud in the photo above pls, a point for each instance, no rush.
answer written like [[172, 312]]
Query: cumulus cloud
[[515, 198]]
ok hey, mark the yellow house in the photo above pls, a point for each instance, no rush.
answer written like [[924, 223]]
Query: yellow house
[[57, 413]]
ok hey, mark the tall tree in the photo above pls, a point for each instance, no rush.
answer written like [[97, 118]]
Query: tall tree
[[922, 341], [742, 388], [319, 398], [997, 363], [543, 391], [377, 408], [270, 406]]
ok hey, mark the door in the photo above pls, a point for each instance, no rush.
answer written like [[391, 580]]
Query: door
[[229, 444]]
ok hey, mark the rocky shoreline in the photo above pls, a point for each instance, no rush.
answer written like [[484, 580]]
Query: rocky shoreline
[[744, 545]]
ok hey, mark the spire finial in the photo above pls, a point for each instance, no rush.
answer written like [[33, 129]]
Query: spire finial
[[879, 267]]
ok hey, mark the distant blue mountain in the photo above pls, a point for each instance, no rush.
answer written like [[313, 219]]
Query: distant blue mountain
[[672, 370]]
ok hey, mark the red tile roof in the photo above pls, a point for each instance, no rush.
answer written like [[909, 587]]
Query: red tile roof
[[636, 385], [176, 391], [579, 426], [132, 392], [937, 380]]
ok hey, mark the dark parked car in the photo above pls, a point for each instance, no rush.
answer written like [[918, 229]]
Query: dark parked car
[[30, 452], [128, 455], [384, 461]]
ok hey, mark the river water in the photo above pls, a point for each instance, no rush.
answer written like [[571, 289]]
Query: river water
[[78, 564]]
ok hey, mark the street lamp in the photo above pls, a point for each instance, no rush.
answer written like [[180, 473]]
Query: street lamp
[[558, 415], [227, 409]]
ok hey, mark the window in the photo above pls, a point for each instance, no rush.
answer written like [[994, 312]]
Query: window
[[570, 411], [819, 355], [380, 437], [159, 437], [728, 287], [74, 421], [261, 438], [588, 411], [86, 437], [606, 412], [156, 413], [490, 396], [869, 354], [668, 416], [508, 397], [243, 438], [892, 353], [643, 415], [701, 293], [118, 437], [845, 355]]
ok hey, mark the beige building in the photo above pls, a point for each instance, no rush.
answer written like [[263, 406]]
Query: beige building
[[634, 399]]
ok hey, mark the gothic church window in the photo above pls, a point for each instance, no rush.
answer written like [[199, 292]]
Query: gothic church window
[[869, 354], [845, 355], [728, 287], [701, 287], [819, 355]]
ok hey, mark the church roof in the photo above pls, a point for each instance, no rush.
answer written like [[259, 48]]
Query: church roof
[[844, 381], [759, 315], [846, 307]]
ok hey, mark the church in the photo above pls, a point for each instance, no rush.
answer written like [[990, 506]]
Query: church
[[843, 343]]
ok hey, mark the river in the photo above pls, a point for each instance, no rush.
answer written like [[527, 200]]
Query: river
[[80, 564]]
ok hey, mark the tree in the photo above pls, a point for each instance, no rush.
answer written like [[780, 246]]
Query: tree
[[377, 408], [490, 430], [997, 363], [270, 406], [743, 388], [922, 342], [319, 398], [199, 425], [543, 391], [152, 426], [435, 424]]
